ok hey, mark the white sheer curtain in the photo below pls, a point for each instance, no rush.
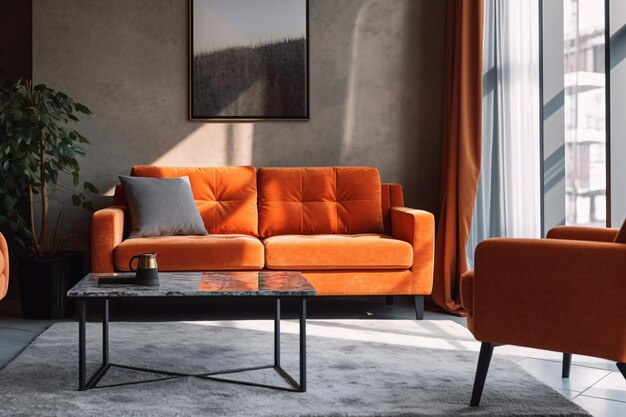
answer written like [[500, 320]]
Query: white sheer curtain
[[508, 199]]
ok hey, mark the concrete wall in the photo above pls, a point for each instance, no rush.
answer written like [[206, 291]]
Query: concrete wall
[[15, 39], [376, 73]]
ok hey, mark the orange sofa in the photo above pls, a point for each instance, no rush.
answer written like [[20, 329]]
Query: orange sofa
[[4, 267], [344, 230], [564, 293]]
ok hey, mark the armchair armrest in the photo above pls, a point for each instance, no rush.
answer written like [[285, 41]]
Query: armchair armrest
[[595, 234], [107, 231], [560, 295], [417, 227]]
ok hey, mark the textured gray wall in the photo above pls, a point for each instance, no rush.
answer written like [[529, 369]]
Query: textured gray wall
[[376, 73]]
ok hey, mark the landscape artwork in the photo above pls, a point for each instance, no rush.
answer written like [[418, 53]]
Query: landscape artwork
[[249, 60]]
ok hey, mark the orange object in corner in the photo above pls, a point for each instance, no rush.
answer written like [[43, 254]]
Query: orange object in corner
[[4, 267]]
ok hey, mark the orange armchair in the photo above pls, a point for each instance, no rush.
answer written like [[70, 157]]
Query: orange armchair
[[4, 267], [565, 294]]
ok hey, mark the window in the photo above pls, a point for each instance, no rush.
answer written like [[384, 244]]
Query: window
[[584, 101]]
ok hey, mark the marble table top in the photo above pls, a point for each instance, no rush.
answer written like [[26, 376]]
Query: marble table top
[[197, 284]]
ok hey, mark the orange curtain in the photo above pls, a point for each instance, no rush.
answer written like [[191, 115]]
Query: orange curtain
[[461, 154]]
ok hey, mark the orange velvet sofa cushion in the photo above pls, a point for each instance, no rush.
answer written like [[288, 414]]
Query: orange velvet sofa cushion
[[319, 252], [226, 196], [322, 200], [195, 253]]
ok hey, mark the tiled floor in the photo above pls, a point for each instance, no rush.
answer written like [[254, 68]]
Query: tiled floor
[[594, 384]]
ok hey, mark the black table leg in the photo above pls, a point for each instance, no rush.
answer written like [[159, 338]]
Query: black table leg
[[303, 344], [82, 318], [105, 333], [84, 383], [277, 334]]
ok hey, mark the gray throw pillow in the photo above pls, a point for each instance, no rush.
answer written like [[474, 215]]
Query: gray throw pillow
[[161, 207]]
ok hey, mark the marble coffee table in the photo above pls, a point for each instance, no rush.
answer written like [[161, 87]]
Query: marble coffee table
[[237, 285]]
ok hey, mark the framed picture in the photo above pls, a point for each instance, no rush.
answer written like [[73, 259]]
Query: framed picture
[[248, 60]]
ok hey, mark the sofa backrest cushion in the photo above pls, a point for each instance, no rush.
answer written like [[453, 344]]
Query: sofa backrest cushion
[[226, 196], [319, 201]]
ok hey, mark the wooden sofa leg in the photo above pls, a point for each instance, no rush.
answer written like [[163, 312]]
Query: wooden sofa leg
[[622, 368], [484, 358], [389, 300], [567, 364], [419, 307]]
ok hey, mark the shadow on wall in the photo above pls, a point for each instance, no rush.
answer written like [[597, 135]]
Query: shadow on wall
[[421, 114]]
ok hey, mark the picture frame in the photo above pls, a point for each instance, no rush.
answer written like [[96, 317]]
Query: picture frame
[[248, 60]]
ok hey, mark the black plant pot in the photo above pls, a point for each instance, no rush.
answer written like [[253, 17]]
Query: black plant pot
[[44, 283]]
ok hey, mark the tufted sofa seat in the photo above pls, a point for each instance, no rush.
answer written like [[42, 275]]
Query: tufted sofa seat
[[344, 230]]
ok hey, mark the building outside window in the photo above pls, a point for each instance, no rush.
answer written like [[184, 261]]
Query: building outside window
[[584, 100]]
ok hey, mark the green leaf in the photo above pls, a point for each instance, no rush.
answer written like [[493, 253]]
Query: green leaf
[[81, 108], [76, 200], [90, 187]]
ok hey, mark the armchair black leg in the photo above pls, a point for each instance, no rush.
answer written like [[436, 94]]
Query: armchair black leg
[[622, 368], [390, 300], [486, 350], [419, 307], [567, 364]]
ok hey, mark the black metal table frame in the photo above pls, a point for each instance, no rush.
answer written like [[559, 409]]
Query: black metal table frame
[[86, 384]]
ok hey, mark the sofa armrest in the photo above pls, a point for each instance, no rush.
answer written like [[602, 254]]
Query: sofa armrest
[[417, 227], [4, 267], [595, 234], [561, 295], [107, 231]]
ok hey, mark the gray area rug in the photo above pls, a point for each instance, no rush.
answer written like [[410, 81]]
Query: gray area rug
[[355, 368]]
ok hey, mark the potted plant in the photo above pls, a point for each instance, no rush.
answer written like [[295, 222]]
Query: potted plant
[[37, 147]]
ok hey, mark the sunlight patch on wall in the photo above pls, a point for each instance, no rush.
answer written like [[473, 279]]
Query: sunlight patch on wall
[[210, 145], [353, 82]]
